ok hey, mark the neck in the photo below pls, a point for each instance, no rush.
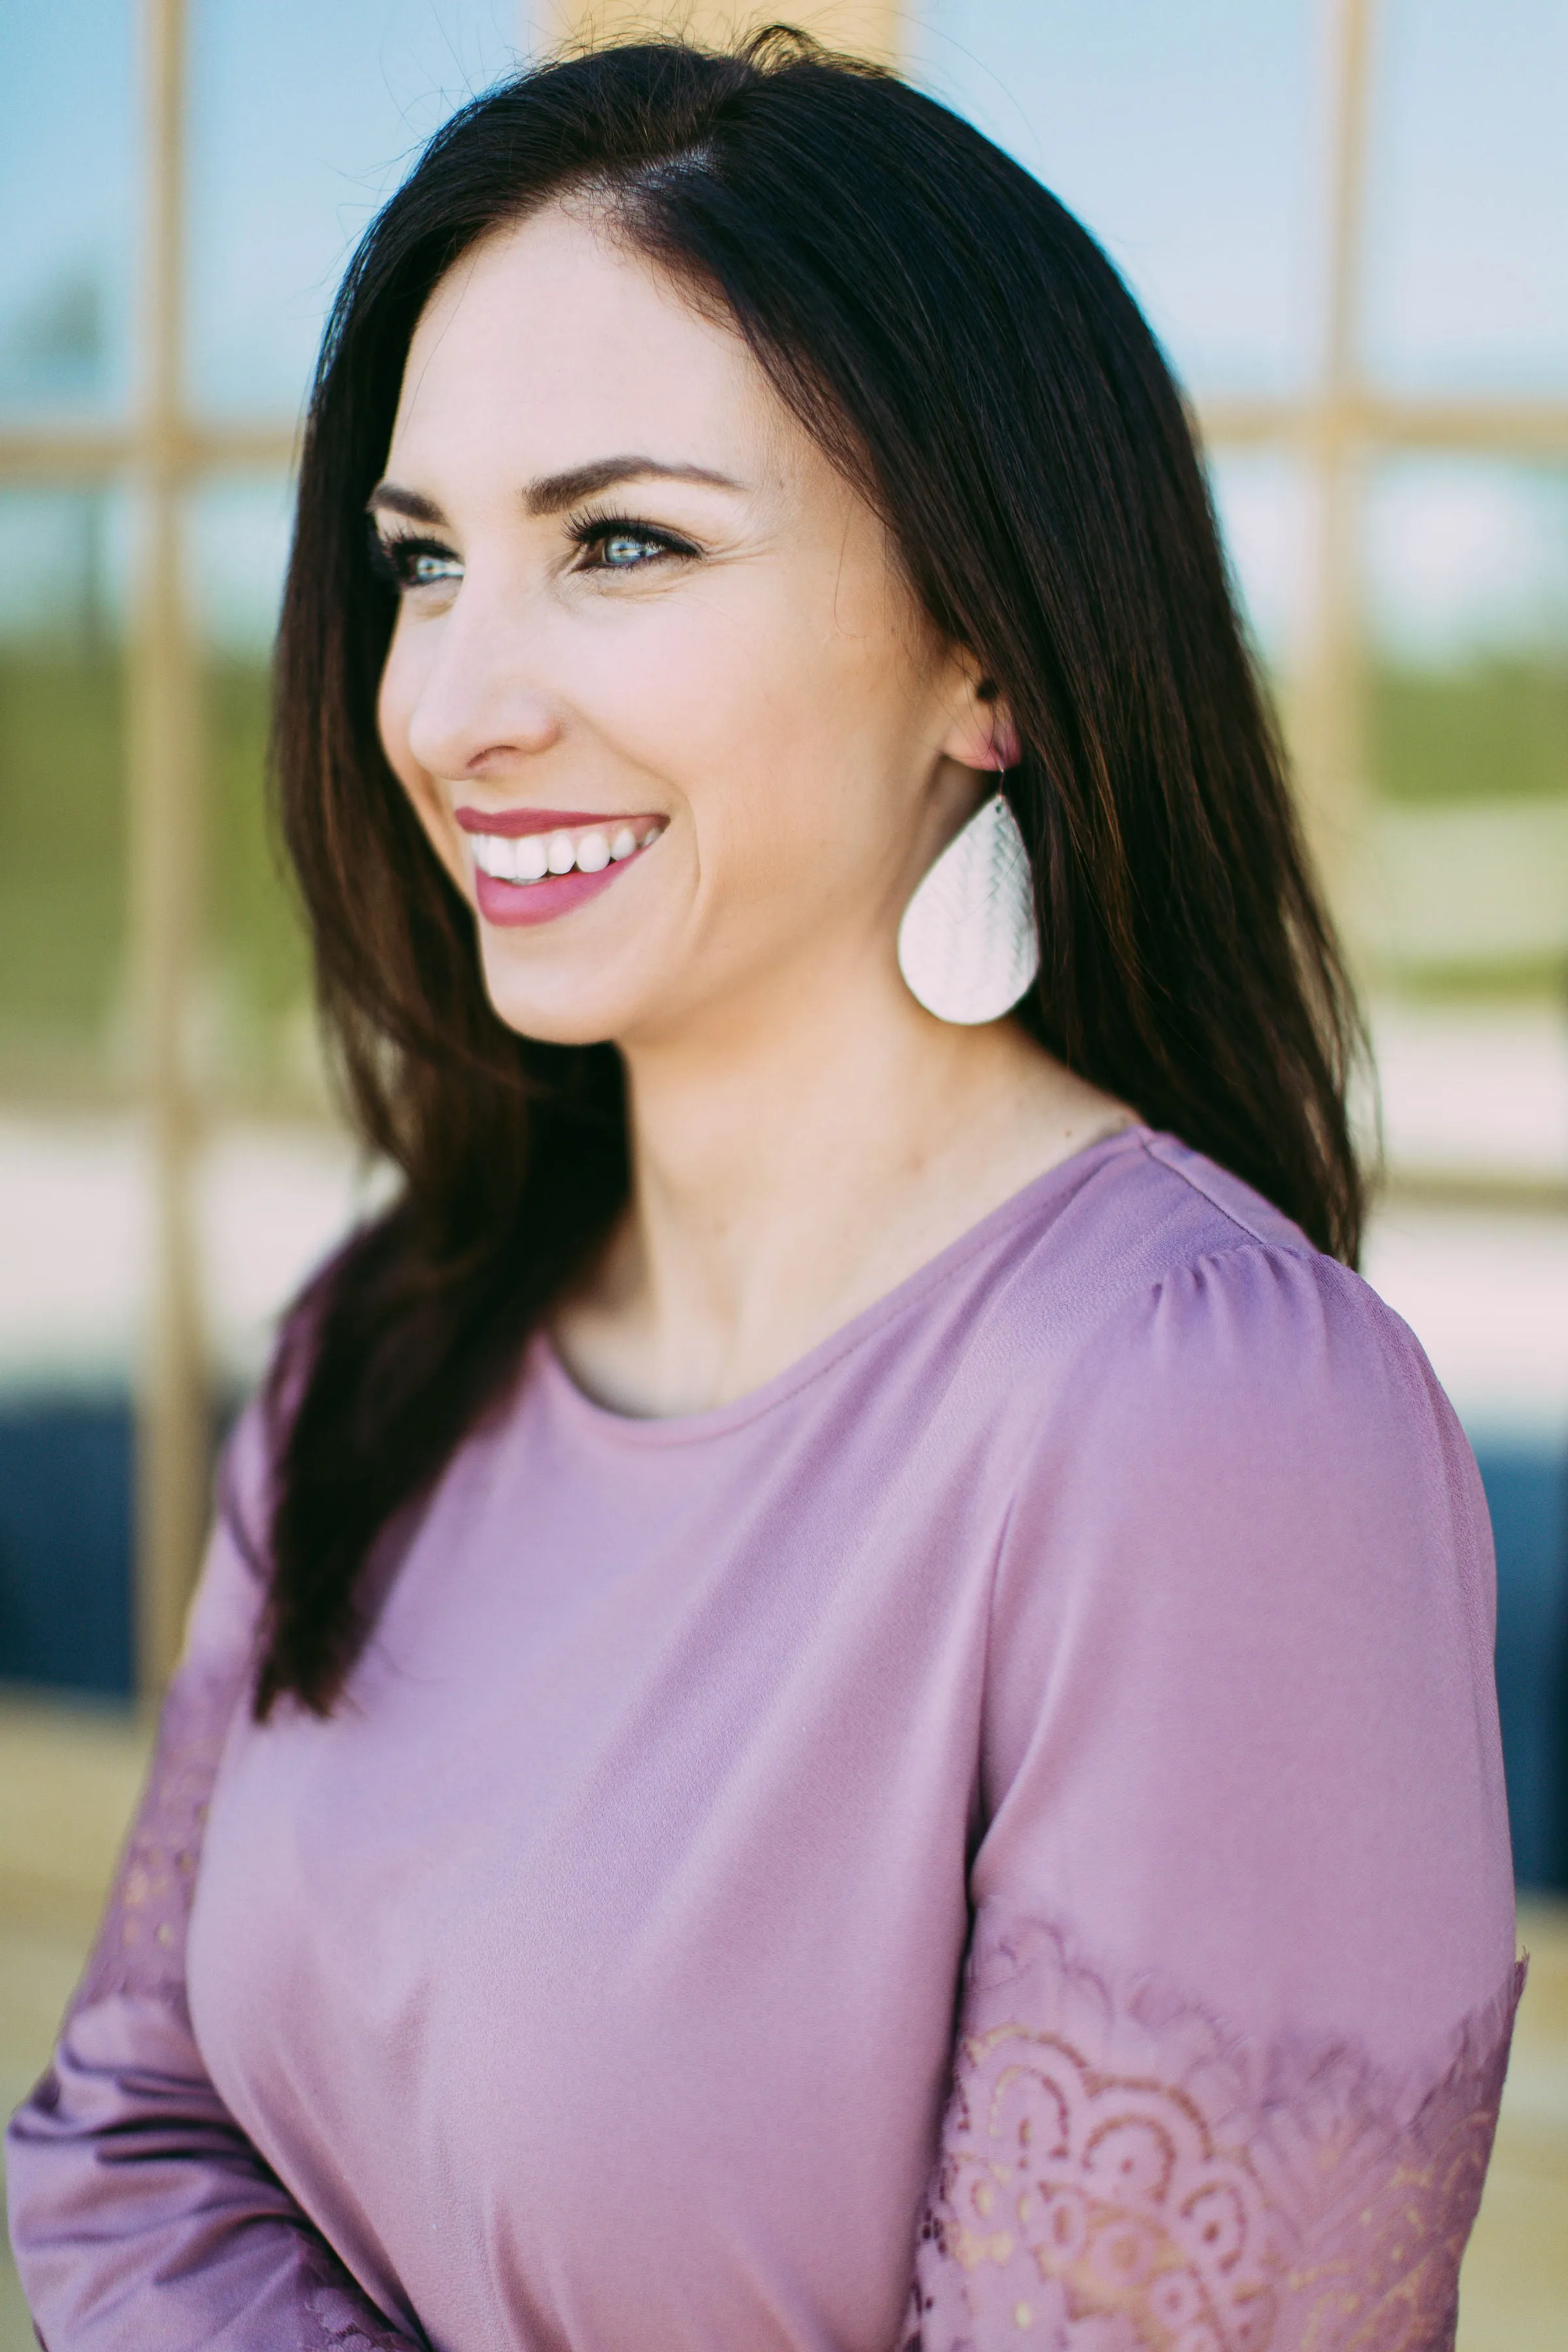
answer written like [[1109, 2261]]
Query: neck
[[780, 1189]]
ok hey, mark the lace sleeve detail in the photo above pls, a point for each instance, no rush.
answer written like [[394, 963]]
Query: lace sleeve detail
[[141, 2211], [141, 1945], [335, 2317], [1118, 2173]]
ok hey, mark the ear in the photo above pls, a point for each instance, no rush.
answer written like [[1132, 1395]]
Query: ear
[[981, 733]]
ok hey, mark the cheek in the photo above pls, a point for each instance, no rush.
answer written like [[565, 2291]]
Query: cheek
[[818, 761], [394, 707], [766, 716], [735, 733]]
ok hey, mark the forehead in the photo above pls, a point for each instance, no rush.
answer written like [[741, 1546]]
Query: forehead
[[552, 340]]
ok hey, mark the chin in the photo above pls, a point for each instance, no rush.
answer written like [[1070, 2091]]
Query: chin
[[561, 1008]]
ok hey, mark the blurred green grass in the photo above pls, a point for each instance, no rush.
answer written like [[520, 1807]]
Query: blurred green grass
[[253, 922], [1491, 732], [62, 855], [63, 840]]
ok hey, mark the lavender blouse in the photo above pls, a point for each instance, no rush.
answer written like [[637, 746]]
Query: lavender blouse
[[994, 1838]]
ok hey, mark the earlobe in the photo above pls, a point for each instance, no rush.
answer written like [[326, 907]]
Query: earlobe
[[1004, 747], [983, 735]]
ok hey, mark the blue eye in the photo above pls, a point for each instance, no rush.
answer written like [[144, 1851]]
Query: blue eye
[[621, 550], [405, 562], [618, 543], [423, 567]]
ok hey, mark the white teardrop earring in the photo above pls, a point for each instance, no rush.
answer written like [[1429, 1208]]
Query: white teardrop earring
[[968, 944]]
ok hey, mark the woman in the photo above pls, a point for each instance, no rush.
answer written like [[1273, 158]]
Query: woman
[[842, 1698]]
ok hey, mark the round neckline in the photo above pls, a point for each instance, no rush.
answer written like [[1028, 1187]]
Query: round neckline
[[717, 1421]]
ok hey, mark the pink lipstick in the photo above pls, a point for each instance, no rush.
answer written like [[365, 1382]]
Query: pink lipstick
[[531, 864]]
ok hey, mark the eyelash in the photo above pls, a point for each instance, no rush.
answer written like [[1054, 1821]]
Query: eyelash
[[394, 555], [597, 531]]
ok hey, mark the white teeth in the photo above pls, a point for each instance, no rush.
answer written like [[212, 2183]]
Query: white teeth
[[530, 856]]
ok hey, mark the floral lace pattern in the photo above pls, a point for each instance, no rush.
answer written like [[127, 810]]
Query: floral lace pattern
[[141, 1954], [1120, 2174], [141, 1946], [336, 2316]]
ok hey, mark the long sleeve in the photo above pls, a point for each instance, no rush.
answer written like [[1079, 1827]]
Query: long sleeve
[[1236, 2011], [141, 2214]]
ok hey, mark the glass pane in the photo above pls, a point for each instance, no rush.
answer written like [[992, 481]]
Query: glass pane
[[303, 117], [1264, 504], [62, 789], [1183, 137], [68, 93], [1466, 569], [257, 1032], [1467, 200]]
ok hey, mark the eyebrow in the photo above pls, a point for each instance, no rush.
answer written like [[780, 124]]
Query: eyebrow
[[552, 493], [395, 500]]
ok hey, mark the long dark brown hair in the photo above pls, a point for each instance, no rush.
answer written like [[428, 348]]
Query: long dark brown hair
[[966, 354]]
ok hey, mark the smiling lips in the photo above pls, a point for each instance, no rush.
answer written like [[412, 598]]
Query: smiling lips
[[531, 864]]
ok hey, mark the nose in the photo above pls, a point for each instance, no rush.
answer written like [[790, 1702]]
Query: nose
[[475, 710]]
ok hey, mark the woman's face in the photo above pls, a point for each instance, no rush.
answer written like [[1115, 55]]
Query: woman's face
[[653, 650]]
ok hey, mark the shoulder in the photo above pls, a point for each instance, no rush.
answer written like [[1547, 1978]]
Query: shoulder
[[231, 1591], [237, 1572], [1144, 1211], [1231, 1422], [1170, 1350], [1164, 1281]]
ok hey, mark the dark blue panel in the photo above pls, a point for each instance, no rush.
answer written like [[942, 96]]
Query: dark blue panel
[[1526, 1491], [65, 1545]]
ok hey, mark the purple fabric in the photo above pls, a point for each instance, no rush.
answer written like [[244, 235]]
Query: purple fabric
[[1118, 1589], [144, 2184]]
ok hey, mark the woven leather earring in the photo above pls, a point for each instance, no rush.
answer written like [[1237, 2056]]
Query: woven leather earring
[[968, 945]]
